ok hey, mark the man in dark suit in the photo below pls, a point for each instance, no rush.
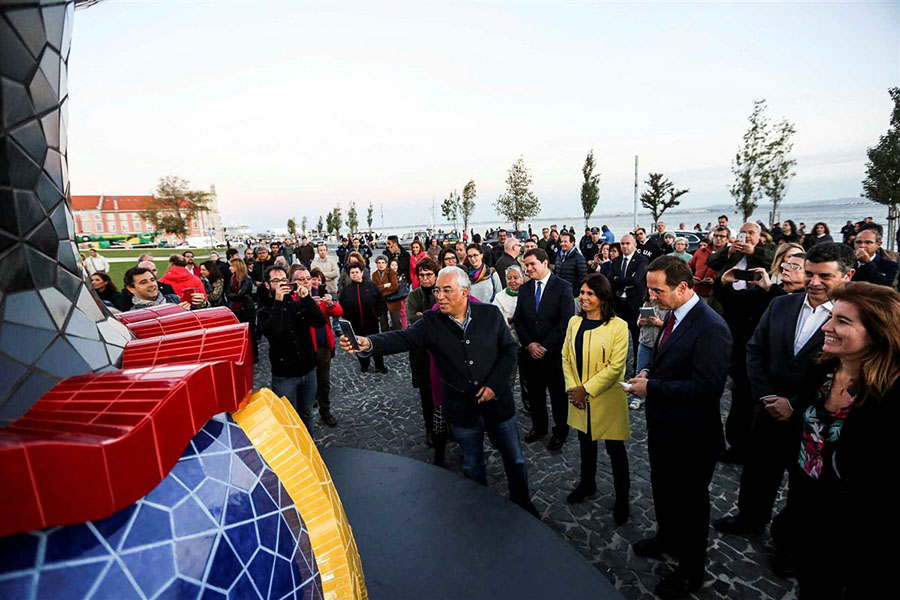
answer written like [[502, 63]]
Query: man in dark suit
[[475, 354], [684, 431], [785, 343], [542, 314], [872, 265], [627, 275], [570, 264]]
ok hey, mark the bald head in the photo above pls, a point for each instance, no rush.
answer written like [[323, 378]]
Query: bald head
[[149, 265], [628, 244]]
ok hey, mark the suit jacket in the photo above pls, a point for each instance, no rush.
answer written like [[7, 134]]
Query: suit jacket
[[547, 325], [687, 378], [634, 282], [482, 355], [771, 364], [880, 270]]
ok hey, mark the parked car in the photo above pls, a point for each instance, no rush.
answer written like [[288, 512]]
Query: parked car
[[493, 238], [693, 238]]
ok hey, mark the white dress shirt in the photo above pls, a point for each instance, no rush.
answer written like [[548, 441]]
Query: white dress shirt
[[810, 321], [626, 261], [682, 311]]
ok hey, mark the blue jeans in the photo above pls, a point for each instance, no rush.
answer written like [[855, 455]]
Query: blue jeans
[[644, 358], [505, 438], [300, 392]]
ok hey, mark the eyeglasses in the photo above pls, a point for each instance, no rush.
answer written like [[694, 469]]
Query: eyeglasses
[[866, 242], [278, 280], [792, 266], [444, 291], [720, 235], [473, 255]]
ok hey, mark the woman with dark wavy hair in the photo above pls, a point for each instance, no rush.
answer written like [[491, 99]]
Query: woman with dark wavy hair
[[104, 286], [843, 492], [593, 358]]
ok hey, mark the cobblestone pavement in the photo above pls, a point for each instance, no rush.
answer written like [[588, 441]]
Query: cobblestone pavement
[[383, 413]]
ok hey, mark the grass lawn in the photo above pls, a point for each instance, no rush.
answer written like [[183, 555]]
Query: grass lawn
[[160, 257]]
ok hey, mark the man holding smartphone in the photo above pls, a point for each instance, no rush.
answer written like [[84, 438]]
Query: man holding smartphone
[[287, 324]]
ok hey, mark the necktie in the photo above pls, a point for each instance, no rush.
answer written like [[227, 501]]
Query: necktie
[[625, 266], [537, 297], [670, 324]]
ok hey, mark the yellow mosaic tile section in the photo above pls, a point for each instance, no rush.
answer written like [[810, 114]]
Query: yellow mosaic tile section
[[275, 429]]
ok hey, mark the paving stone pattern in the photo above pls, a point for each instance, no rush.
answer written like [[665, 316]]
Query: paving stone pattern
[[383, 413]]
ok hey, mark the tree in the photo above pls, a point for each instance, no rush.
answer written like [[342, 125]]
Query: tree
[[590, 189], [519, 202], [882, 182], [321, 225], [335, 225], [660, 195], [450, 207], [467, 205], [750, 164], [779, 165], [369, 213], [303, 225], [352, 218], [174, 204], [292, 226]]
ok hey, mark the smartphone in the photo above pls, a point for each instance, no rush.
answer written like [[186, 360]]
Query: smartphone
[[186, 294], [647, 312], [742, 237], [744, 275], [347, 331], [624, 385]]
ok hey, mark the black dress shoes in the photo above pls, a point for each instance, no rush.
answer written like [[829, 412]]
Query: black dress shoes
[[328, 419], [678, 584], [382, 370], [580, 493], [737, 525], [533, 436], [649, 548], [556, 443]]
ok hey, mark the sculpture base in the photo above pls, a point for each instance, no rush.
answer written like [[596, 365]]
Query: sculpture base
[[425, 532]]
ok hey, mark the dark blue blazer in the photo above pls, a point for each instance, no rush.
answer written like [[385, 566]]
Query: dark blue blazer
[[686, 381], [880, 270], [548, 325], [483, 355]]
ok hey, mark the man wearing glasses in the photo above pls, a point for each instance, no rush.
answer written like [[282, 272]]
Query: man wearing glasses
[[475, 355], [872, 264], [286, 324]]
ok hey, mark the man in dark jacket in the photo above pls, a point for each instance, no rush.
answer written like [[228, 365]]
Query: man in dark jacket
[[258, 272], [507, 259], [570, 264], [627, 276], [286, 324], [420, 301], [543, 310], [872, 264], [646, 247], [396, 252], [494, 253], [475, 354], [305, 252], [684, 431]]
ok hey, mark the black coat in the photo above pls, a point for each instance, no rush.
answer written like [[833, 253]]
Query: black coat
[[633, 282], [362, 303], [687, 378], [286, 324], [547, 327], [504, 262], [240, 301], [482, 355], [880, 270], [773, 368], [572, 269]]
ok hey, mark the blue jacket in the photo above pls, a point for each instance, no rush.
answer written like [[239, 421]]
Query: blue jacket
[[572, 268]]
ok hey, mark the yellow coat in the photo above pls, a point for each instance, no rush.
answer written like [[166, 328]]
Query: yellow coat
[[603, 367]]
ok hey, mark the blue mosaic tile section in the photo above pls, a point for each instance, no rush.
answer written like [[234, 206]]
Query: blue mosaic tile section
[[219, 526]]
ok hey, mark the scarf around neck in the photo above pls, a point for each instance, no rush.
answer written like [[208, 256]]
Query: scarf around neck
[[480, 274], [509, 292], [160, 299]]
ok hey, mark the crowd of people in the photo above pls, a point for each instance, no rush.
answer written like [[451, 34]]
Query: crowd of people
[[806, 328]]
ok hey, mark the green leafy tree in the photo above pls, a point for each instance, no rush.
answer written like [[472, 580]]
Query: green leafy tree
[[321, 226], [882, 182], [590, 189], [467, 204], [336, 216], [780, 165], [292, 226], [174, 204], [450, 207], [369, 212], [352, 217], [519, 202], [660, 195], [303, 225], [750, 164]]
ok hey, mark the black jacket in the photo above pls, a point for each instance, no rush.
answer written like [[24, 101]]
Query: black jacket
[[633, 282], [773, 368], [548, 326], [571, 268], [361, 303], [687, 378], [402, 258], [286, 324], [240, 301], [880, 270], [505, 261], [482, 355]]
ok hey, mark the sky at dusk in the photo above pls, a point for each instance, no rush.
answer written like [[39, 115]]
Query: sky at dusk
[[290, 108]]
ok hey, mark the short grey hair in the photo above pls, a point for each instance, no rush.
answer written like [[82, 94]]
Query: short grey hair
[[515, 268], [462, 279], [682, 239], [510, 242], [754, 225]]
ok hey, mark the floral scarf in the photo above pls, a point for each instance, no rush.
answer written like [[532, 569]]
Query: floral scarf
[[480, 274], [820, 427]]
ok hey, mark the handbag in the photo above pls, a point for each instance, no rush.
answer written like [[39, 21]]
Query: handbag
[[401, 293]]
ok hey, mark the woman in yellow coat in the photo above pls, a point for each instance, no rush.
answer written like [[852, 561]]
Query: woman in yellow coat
[[594, 365]]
